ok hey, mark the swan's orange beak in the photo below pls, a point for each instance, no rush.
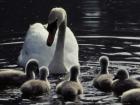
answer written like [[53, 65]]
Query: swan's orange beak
[[52, 31], [50, 39]]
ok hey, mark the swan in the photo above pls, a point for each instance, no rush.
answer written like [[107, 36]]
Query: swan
[[71, 88], [123, 83], [53, 45], [104, 80], [37, 87], [12, 77]]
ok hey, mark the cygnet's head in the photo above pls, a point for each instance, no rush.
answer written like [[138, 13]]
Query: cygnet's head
[[44, 72], [32, 66], [74, 73], [122, 74], [104, 63], [56, 17]]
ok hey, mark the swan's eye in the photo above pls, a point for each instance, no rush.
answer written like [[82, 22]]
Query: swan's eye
[[51, 27]]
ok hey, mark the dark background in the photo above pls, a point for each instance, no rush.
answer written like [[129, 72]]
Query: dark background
[[17, 15]]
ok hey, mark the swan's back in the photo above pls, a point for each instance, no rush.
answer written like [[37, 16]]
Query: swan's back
[[131, 97], [35, 46], [36, 35], [69, 90], [38, 86], [34, 88], [118, 87], [103, 82], [11, 77]]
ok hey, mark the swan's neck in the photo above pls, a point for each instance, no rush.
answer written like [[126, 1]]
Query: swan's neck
[[43, 78], [30, 74], [104, 70], [74, 79], [59, 51]]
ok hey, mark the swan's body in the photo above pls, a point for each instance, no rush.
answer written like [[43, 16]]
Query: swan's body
[[12, 77], [63, 52], [37, 87], [104, 80], [123, 83], [35, 46], [131, 97], [70, 89]]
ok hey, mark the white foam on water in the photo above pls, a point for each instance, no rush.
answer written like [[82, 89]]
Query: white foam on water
[[136, 58], [118, 53], [117, 37], [12, 43], [136, 45], [125, 62], [91, 45], [117, 47], [137, 53]]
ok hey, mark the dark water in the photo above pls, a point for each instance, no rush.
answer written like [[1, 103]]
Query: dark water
[[110, 27]]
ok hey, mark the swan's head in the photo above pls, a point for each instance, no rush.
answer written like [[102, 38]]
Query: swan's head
[[32, 66], [121, 74], [104, 61], [74, 73], [44, 72], [56, 17]]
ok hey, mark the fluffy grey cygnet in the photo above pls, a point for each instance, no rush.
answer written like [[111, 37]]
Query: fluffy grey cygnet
[[103, 81], [131, 97], [12, 77], [123, 83], [70, 89], [37, 87]]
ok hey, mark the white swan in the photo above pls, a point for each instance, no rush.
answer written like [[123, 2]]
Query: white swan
[[61, 51]]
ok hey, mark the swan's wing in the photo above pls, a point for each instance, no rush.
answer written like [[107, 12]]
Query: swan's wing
[[71, 50], [35, 46], [35, 38]]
